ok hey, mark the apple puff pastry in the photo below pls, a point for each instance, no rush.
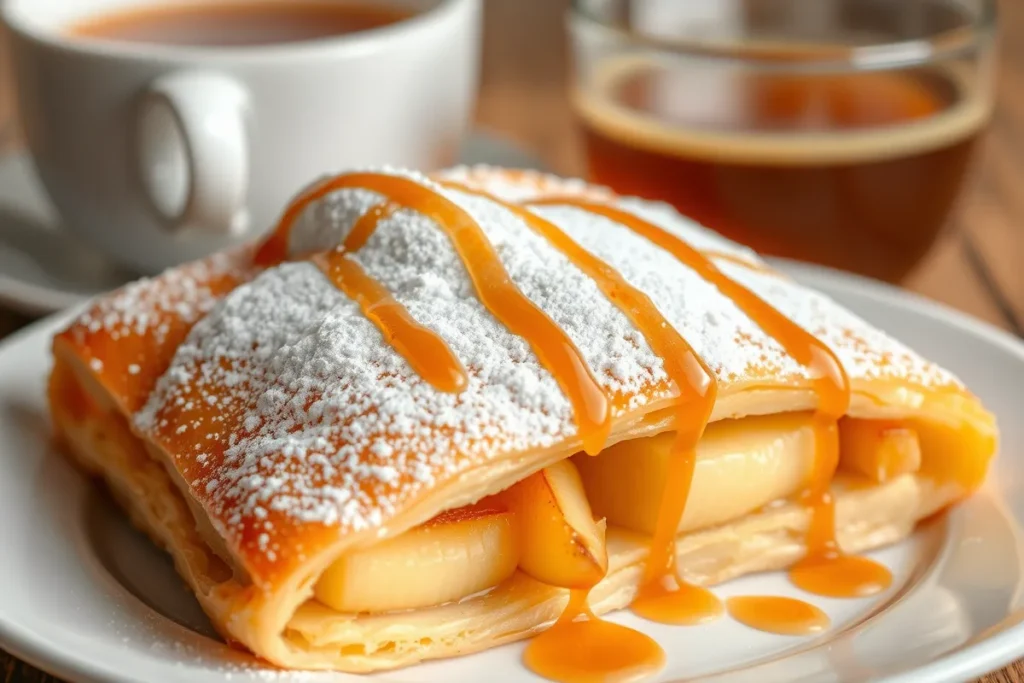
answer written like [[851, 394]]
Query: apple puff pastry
[[426, 414]]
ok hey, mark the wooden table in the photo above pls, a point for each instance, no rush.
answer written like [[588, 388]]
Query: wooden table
[[975, 269]]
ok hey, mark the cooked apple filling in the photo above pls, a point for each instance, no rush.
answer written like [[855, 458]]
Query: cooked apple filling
[[456, 554], [552, 525]]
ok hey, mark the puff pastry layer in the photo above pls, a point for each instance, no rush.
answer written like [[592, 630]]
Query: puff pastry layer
[[260, 424]]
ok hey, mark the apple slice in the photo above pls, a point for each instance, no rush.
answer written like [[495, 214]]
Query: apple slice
[[456, 554], [741, 465], [878, 449], [561, 543]]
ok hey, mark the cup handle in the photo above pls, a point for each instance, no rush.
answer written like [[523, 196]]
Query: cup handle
[[192, 152]]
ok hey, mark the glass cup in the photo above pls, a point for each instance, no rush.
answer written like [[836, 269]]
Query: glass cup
[[832, 131]]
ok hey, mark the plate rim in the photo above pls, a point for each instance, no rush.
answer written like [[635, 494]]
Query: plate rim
[[981, 655]]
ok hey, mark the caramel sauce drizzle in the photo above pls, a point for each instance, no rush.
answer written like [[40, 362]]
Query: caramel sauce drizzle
[[581, 648], [665, 596], [362, 229], [824, 570], [425, 350], [422, 348], [775, 614], [493, 285], [612, 652]]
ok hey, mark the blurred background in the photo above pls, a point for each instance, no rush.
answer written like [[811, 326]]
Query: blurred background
[[972, 267], [524, 99]]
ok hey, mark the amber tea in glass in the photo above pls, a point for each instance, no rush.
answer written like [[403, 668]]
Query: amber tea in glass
[[834, 131]]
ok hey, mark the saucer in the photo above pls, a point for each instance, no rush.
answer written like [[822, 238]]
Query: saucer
[[44, 269]]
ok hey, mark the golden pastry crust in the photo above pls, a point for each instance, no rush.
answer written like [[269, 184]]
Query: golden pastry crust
[[287, 431]]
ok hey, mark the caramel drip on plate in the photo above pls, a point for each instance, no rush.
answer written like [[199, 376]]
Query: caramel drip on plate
[[774, 614], [581, 648], [425, 350], [824, 569], [665, 596], [493, 285]]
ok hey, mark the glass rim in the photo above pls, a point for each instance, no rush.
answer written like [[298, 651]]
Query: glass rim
[[942, 45]]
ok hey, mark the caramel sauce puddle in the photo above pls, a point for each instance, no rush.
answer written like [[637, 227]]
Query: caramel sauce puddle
[[582, 648], [774, 614]]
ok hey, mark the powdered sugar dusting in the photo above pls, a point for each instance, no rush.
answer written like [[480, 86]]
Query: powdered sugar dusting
[[136, 309], [731, 344], [619, 356], [695, 234], [286, 403], [524, 186], [323, 224], [347, 432], [520, 186], [865, 352], [129, 337]]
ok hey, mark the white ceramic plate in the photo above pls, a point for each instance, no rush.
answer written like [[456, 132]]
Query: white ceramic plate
[[84, 596], [44, 269]]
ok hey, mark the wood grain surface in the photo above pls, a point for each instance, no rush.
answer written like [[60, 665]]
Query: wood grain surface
[[977, 268]]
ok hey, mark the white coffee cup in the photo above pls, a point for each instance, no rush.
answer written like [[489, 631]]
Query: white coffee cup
[[159, 154]]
